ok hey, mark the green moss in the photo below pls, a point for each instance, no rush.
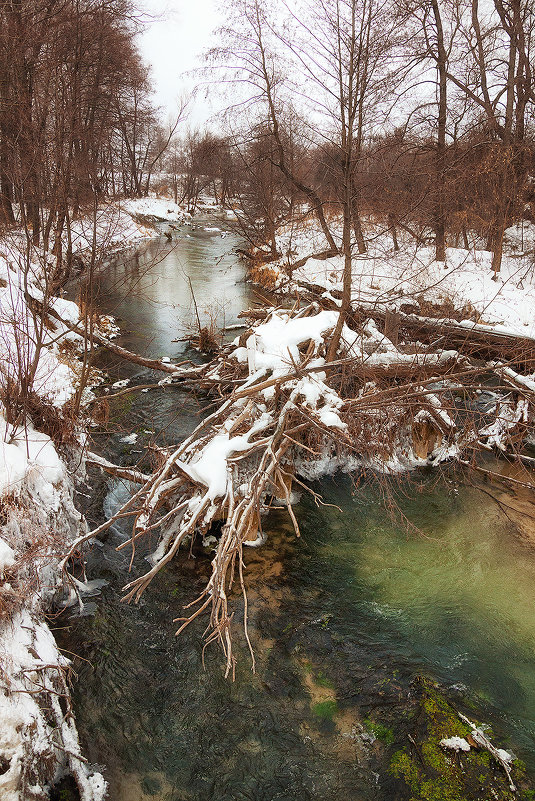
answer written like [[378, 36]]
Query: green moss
[[323, 681], [483, 757], [325, 710], [443, 719], [446, 786], [440, 790], [435, 756], [402, 766], [382, 733], [434, 774]]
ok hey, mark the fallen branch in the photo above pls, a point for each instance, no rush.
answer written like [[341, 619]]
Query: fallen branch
[[282, 407], [115, 470], [483, 741]]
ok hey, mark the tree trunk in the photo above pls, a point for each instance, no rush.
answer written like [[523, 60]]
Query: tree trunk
[[440, 189], [393, 231]]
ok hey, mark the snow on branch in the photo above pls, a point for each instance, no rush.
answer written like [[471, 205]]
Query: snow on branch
[[288, 411]]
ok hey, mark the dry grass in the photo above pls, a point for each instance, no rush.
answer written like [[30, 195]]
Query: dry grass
[[263, 275]]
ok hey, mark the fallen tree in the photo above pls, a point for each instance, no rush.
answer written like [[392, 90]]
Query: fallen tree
[[477, 339], [285, 415]]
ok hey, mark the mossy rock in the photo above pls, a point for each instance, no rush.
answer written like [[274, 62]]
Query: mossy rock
[[428, 772], [379, 731]]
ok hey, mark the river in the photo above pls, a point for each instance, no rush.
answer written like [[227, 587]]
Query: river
[[342, 620]]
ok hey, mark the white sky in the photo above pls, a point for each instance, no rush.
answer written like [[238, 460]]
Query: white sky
[[173, 44]]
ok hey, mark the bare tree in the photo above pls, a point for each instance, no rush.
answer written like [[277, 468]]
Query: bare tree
[[498, 80], [336, 52]]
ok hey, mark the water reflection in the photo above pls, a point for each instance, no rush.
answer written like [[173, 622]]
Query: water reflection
[[151, 290]]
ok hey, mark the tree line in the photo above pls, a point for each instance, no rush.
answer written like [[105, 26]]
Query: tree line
[[417, 114], [76, 118]]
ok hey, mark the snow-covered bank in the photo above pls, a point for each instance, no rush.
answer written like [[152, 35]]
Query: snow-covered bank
[[38, 739], [39, 376], [122, 224], [393, 279], [160, 209]]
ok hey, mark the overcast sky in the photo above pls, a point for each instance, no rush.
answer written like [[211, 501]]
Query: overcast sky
[[173, 45]]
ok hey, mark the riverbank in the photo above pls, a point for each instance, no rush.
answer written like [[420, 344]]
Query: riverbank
[[408, 278], [41, 460]]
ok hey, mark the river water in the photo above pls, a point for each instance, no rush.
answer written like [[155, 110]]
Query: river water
[[342, 620]]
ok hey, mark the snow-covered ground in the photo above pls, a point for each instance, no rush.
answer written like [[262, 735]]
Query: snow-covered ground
[[157, 208], [465, 282]]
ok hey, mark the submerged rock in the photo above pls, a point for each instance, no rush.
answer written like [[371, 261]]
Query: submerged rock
[[440, 760]]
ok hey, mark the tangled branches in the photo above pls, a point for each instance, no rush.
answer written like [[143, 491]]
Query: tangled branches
[[287, 412]]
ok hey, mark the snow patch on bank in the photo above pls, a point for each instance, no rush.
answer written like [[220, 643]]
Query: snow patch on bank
[[393, 278], [157, 208], [36, 749]]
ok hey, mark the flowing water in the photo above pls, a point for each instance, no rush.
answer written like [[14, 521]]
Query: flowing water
[[341, 620]]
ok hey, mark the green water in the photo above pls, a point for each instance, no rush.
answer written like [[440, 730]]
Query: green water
[[342, 620], [455, 599]]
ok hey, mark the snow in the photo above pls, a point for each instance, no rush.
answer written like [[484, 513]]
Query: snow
[[505, 755], [115, 229], [27, 455], [274, 347], [32, 471], [455, 743], [210, 466], [276, 342], [391, 279], [30, 658], [160, 208], [20, 333], [7, 556], [508, 416]]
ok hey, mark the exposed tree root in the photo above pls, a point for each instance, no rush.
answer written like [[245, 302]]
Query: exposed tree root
[[286, 411]]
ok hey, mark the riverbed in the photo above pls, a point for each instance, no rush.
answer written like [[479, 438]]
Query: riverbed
[[342, 620]]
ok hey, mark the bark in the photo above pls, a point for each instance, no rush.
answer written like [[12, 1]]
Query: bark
[[473, 339], [440, 217], [393, 232]]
